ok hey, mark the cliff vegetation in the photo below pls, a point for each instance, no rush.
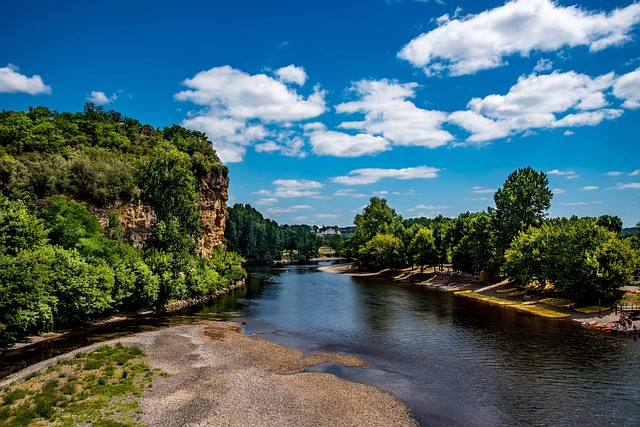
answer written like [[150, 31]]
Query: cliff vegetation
[[100, 213]]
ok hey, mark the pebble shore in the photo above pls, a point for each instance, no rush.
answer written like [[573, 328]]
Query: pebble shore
[[218, 376]]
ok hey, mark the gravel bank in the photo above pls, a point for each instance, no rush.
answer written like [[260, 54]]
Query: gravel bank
[[220, 377]]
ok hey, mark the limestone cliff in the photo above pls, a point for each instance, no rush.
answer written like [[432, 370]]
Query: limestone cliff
[[137, 218]]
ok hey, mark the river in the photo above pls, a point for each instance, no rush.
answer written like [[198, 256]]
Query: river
[[451, 360]]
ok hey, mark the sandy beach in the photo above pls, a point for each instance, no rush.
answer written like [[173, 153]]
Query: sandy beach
[[218, 376]]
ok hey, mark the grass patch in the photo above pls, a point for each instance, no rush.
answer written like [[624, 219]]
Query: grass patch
[[100, 388], [507, 290], [517, 293], [526, 308], [558, 302], [591, 309]]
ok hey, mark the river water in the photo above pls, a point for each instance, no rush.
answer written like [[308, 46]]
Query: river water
[[452, 361]]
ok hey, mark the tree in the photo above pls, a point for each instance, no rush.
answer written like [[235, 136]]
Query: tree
[[170, 187], [521, 202], [376, 217], [19, 228], [423, 248], [382, 251], [581, 259], [475, 249], [610, 222]]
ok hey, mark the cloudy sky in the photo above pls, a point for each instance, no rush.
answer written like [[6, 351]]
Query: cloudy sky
[[316, 106]]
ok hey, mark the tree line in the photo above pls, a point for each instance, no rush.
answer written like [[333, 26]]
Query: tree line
[[583, 258], [261, 240], [58, 266]]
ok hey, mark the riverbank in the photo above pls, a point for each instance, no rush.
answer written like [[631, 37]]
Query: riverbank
[[496, 292], [217, 375], [119, 317]]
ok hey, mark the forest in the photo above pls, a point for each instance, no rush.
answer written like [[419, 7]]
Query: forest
[[58, 265]]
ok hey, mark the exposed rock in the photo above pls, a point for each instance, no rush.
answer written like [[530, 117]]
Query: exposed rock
[[137, 218]]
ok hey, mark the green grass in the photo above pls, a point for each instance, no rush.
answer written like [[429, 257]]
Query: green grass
[[100, 388]]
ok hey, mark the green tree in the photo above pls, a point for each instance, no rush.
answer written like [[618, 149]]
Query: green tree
[[522, 202], [476, 248], [376, 217], [19, 228], [170, 187], [69, 221], [423, 248], [610, 222], [382, 251], [581, 259]]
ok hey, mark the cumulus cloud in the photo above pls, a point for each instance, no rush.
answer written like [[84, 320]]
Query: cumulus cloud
[[388, 113], [558, 172], [614, 173], [100, 98], [340, 144], [373, 175], [553, 100], [292, 74], [238, 107], [635, 172], [627, 186], [558, 191], [347, 192], [287, 188], [483, 190], [483, 41], [286, 143], [589, 188], [627, 87], [11, 81]]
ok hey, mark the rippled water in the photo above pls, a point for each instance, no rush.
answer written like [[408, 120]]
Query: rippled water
[[451, 360]]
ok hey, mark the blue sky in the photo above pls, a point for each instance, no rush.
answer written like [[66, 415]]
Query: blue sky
[[316, 106]]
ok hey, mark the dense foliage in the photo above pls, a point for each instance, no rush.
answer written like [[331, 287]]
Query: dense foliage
[[58, 266], [260, 240], [582, 258]]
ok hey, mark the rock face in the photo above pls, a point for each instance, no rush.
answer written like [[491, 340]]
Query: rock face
[[137, 218]]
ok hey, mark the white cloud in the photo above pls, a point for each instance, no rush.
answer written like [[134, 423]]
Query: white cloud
[[100, 98], [373, 175], [560, 173], [267, 201], [614, 173], [292, 74], [568, 133], [326, 216], [287, 188], [628, 186], [238, 107], [573, 176], [579, 203], [349, 193], [483, 190], [543, 65], [287, 143], [558, 191], [635, 172], [431, 207], [589, 188], [381, 193], [388, 113], [339, 144], [11, 81], [627, 87], [482, 41], [480, 199], [538, 101]]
